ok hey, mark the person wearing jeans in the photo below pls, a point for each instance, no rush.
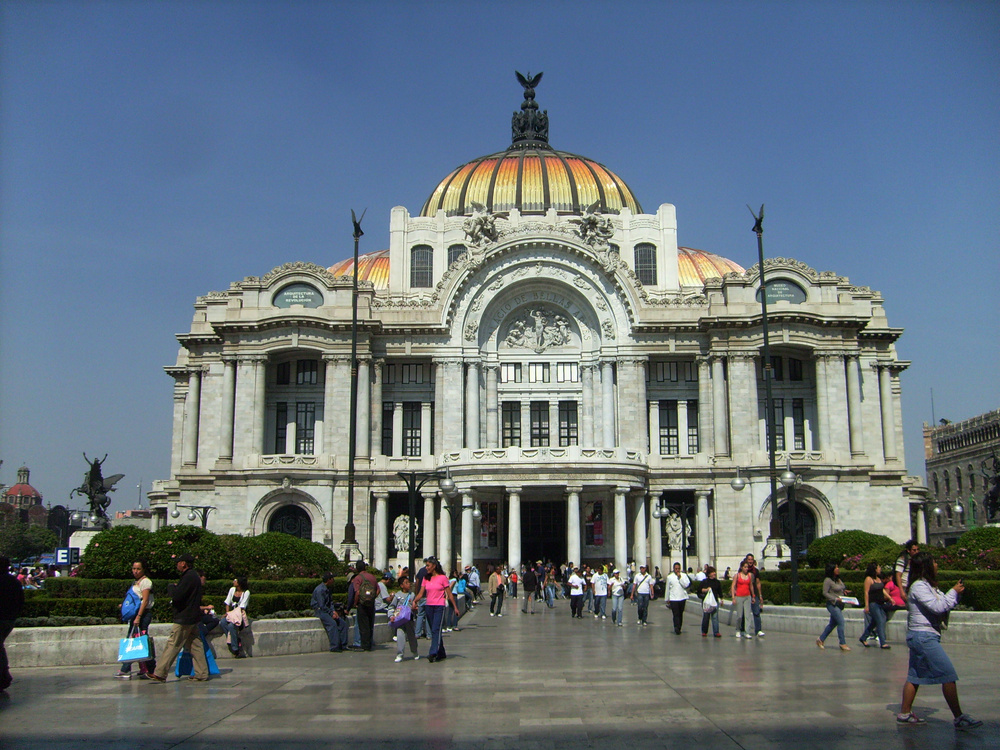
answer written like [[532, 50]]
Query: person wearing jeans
[[617, 588], [833, 590], [642, 588], [677, 585], [436, 589], [710, 583], [741, 591], [497, 587]]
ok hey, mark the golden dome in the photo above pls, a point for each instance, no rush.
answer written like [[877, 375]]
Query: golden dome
[[531, 180], [694, 266], [373, 267]]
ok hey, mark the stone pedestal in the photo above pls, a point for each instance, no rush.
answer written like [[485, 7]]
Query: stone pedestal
[[82, 538], [776, 550]]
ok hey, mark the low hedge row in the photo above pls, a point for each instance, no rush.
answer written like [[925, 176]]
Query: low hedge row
[[813, 575], [980, 595], [261, 605]]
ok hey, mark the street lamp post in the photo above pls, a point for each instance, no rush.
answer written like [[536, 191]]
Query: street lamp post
[[195, 512], [350, 539], [791, 480], [415, 480]]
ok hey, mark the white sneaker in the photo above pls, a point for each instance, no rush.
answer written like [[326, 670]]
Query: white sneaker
[[760, 633], [394, 638], [492, 615], [604, 617], [499, 615], [739, 635], [416, 658], [399, 658]]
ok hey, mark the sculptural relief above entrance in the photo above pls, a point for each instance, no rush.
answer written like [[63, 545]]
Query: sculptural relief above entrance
[[538, 329]]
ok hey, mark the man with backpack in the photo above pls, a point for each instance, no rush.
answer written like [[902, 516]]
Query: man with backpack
[[361, 596]]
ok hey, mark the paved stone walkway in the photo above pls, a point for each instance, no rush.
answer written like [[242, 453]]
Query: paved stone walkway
[[542, 681]]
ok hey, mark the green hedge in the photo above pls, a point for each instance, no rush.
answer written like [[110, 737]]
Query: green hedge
[[811, 575], [271, 556], [981, 595], [108, 588], [845, 548]]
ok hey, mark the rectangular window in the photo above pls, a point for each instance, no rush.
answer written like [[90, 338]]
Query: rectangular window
[[538, 372], [411, 428], [511, 417], [569, 432], [777, 372], [305, 429], [692, 436], [283, 373], [794, 369], [669, 445], [412, 373], [799, 423], [567, 372], [779, 424], [306, 372], [645, 264], [665, 372], [539, 424], [422, 267], [387, 428], [280, 426], [690, 372], [510, 372]]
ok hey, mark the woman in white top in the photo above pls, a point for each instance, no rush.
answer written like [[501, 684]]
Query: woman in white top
[[236, 618], [617, 588], [143, 588]]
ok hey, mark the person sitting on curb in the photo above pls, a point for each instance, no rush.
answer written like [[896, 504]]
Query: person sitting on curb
[[333, 622]]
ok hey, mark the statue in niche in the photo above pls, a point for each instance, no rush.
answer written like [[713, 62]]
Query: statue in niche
[[675, 532], [539, 329], [401, 533]]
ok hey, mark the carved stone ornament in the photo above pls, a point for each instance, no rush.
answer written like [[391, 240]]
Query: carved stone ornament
[[594, 229], [300, 266], [675, 532], [401, 532], [538, 329], [609, 259], [608, 329], [481, 228], [471, 330]]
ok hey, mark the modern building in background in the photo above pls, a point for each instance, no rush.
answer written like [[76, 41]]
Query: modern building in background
[[537, 334], [959, 460]]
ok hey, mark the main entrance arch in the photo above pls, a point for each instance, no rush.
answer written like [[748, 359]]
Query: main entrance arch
[[291, 519], [805, 526]]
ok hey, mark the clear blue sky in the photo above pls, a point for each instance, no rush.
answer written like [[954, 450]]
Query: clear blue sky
[[153, 152]]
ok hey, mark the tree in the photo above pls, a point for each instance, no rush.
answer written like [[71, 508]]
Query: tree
[[19, 541]]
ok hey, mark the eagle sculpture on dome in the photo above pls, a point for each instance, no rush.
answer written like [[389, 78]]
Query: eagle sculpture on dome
[[529, 83]]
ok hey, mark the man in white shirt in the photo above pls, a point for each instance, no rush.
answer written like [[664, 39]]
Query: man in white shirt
[[702, 574], [576, 584], [677, 583], [599, 585], [642, 587]]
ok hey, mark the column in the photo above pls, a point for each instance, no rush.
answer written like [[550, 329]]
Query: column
[[587, 407], [682, 427], [854, 405], [448, 396], [621, 538], [822, 409], [291, 427], [381, 553], [608, 404], [706, 410], [492, 408], [921, 525], [514, 527], [177, 441], [654, 428], [425, 428], [444, 545], [888, 415], [397, 429], [702, 532], [554, 422], [720, 412], [472, 406], [376, 407], [192, 413], [428, 550], [467, 548], [228, 408], [573, 548], [640, 550], [364, 408], [260, 404]]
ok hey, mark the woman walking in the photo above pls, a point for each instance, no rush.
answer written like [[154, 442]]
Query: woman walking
[[875, 600], [142, 588], [436, 588], [713, 584], [741, 591], [404, 630], [833, 590], [926, 607], [497, 586], [617, 588], [236, 616]]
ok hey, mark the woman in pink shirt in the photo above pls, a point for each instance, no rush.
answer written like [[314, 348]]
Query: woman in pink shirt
[[437, 589]]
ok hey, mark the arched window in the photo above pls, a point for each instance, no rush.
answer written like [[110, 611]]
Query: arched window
[[805, 525], [937, 489], [958, 480], [421, 267], [291, 519], [454, 253], [947, 483], [972, 480], [645, 263]]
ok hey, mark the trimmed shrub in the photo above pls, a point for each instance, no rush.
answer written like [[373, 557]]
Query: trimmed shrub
[[845, 548], [277, 556], [981, 539], [885, 556], [778, 593], [112, 552]]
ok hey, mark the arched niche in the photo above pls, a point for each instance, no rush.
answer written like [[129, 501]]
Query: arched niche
[[271, 510]]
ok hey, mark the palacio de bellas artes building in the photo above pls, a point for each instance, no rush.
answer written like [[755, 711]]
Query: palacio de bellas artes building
[[591, 387]]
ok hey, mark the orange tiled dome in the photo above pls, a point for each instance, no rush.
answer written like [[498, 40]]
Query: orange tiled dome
[[373, 267], [694, 266]]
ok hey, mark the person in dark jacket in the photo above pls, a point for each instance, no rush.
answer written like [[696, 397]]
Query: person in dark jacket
[[186, 603], [362, 582], [11, 604], [334, 620]]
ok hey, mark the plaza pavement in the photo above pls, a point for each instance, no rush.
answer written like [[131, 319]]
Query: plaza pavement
[[521, 681]]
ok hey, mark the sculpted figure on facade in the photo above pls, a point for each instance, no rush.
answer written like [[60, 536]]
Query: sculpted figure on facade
[[401, 532], [595, 230], [481, 226], [539, 329], [675, 532]]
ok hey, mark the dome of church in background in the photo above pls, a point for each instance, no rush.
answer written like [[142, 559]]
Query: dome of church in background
[[22, 494]]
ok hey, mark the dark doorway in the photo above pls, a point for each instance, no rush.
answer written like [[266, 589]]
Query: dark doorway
[[543, 531], [805, 525], [291, 519]]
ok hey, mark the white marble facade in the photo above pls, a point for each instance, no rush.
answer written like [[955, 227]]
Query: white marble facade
[[565, 396]]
